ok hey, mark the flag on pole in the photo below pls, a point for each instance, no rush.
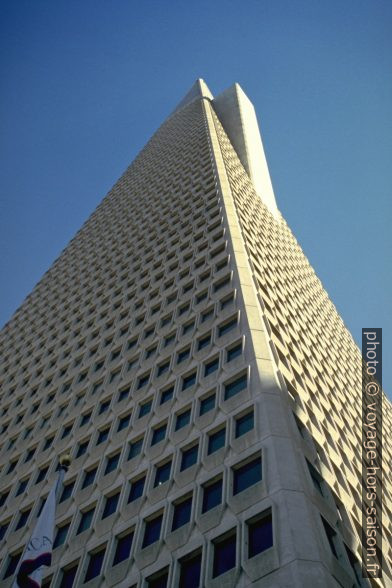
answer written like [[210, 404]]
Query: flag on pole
[[38, 551]]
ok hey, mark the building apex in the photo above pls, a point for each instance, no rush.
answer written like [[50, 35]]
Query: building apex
[[198, 90]]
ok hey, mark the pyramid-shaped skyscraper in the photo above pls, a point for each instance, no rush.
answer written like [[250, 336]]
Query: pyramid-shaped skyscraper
[[183, 351]]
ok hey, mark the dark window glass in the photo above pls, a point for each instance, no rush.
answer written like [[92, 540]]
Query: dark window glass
[[85, 520], [158, 581], [223, 329], [48, 443], [182, 513], [183, 419], [123, 548], [260, 535], [89, 477], [244, 424], [102, 435], [162, 474], [152, 531], [24, 515], [67, 491], [112, 463], [167, 395], [207, 404], [82, 449], [104, 406], [221, 284], [123, 422], [190, 571], [143, 380], [182, 355], [211, 367], [123, 394], [136, 490], [204, 342], [110, 505], [188, 381], [135, 448], [3, 498], [189, 457], [247, 475], [3, 530], [68, 577], [234, 352], [66, 431], [226, 302], [94, 565], [22, 487], [158, 435], [236, 386], [164, 367], [145, 409], [216, 441], [212, 496], [61, 535], [224, 555], [13, 561]]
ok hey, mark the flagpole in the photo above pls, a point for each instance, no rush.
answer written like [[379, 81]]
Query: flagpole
[[38, 550]]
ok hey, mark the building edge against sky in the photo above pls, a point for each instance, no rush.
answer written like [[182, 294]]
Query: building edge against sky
[[185, 353]]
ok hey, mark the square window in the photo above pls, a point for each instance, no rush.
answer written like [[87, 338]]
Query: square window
[[207, 315], [246, 475], [41, 474], [158, 580], [89, 477], [135, 448], [23, 518], [227, 301], [188, 327], [104, 406], [183, 419], [82, 448], [110, 505], [182, 513], [67, 491], [61, 535], [152, 531], [211, 366], [224, 555], [162, 473], [167, 395], [48, 443], [260, 534], [66, 431], [158, 434], [123, 394], [234, 352], [216, 441], [123, 548], [204, 342], [169, 339], [183, 355], [207, 404], [202, 296], [137, 487], [244, 424], [85, 520], [190, 571], [102, 436], [236, 386], [123, 423], [68, 576], [112, 463], [143, 381], [145, 408], [22, 487], [13, 561], [189, 457], [212, 495], [188, 381], [95, 564], [228, 326], [164, 367]]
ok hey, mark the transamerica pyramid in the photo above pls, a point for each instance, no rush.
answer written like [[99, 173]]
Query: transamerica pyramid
[[184, 353]]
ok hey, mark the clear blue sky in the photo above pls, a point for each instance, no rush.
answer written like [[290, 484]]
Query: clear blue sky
[[86, 83]]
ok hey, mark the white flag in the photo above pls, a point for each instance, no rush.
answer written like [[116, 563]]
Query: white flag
[[38, 551]]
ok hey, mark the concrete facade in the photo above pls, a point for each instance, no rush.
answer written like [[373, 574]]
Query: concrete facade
[[184, 352]]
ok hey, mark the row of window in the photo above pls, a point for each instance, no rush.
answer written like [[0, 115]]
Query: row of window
[[224, 553]]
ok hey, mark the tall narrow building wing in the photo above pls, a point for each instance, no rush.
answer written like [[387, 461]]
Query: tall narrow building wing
[[183, 350]]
